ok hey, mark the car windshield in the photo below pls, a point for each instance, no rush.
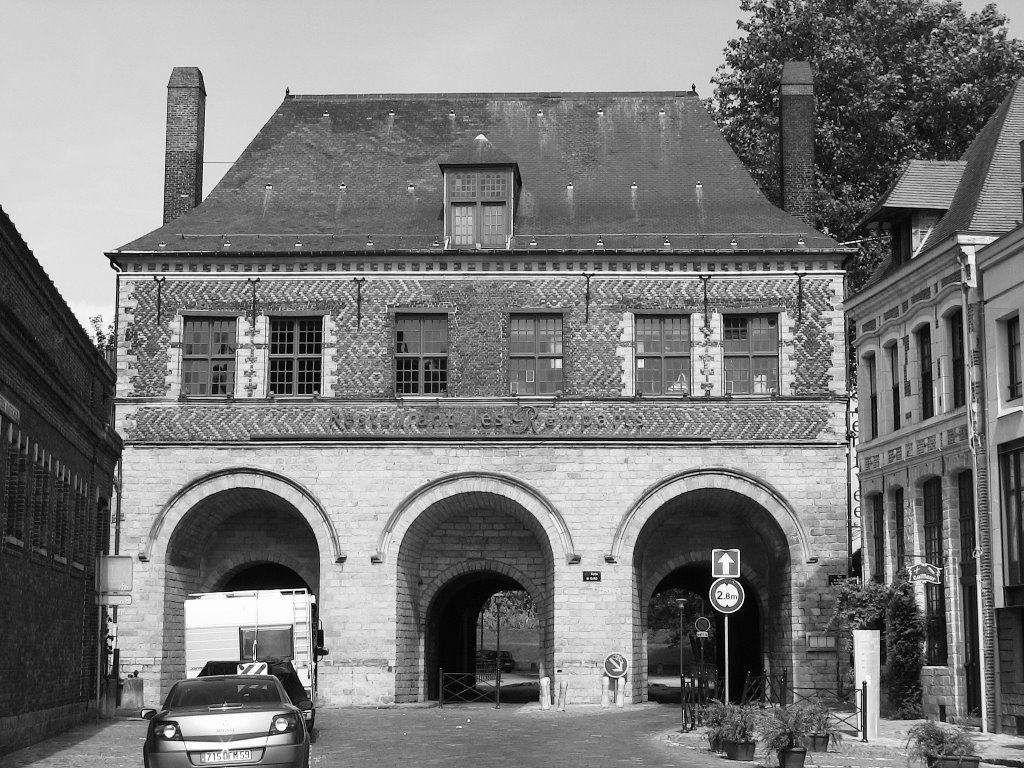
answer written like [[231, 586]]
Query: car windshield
[[234, 690]]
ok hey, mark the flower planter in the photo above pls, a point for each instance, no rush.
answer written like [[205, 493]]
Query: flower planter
[[715, 743], [740, 750], [817, 742], [792, 758], [954, 761]]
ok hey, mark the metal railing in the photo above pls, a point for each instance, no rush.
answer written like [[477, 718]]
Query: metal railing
[[482, 685]]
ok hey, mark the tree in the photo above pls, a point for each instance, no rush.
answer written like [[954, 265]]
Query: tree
[[904, 649], [895, 80], [102, 337]]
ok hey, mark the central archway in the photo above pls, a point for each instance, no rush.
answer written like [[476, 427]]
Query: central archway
[[457, 551]]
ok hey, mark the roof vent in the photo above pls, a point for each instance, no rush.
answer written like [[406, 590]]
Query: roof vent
[[533, 241], [667, 242], [412, 187], [733, 242], [162, 244], [326, 113], [269, 187], [540, 113], [801, 242], [369, 241], [600, 112], [342, 186], [600, 242], [633, 185], [391, 113], [451, 113], [569, 185], [661, 111], [227, 243], [298, 243]]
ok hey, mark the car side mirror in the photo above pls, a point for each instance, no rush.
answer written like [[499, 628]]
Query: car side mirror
[[322, 652], [147, 714], [306, 706]]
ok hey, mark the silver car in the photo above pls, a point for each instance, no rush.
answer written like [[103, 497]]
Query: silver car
[[226, 720]]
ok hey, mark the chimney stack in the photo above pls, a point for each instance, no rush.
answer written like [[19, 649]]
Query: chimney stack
[[183, 157], [796, 128]]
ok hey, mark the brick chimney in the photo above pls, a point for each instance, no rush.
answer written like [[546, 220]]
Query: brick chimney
[[183, 158], [796, 128]]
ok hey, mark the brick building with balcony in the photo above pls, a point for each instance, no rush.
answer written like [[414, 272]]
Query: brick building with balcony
[[414, 350]]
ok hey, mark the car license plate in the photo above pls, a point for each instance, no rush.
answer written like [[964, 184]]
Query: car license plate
[[227, 756]]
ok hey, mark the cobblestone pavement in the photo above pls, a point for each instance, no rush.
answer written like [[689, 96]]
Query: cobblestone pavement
[[475, 736]]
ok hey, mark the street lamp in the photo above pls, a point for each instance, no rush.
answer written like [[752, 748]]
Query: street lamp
[[497, 642]]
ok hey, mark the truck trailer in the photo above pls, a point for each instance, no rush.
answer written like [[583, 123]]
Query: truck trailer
[[259, 631]]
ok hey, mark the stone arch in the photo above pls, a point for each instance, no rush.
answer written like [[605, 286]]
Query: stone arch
[[751, 576], [179, 505], [431, 590], [230, 567], [724, 478], [472, 483]]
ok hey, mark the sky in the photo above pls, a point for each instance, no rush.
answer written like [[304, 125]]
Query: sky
[[83, 87]]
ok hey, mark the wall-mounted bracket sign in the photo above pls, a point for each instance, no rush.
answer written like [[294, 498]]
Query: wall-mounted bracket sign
[[925, 572], [591, 575]]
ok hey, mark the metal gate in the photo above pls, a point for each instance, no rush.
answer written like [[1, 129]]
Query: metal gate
[[482, 685]]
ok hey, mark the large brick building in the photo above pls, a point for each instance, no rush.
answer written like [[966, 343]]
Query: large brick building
[[927, 461], [58, 452], [413, 350]]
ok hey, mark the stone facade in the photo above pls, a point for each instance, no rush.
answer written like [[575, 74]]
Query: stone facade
[[534, 242]]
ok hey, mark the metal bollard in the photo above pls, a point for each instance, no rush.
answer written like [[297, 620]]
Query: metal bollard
[[545, 693]]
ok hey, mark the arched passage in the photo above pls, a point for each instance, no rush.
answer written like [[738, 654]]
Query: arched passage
[[669, 536], [231, 537], [456, 552]]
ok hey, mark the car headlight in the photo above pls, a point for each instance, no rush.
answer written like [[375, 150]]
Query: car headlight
[[167, 730]]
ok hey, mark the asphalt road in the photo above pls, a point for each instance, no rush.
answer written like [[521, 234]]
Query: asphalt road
[[475, 736]]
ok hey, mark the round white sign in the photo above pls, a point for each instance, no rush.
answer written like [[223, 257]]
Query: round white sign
[[727, 595]]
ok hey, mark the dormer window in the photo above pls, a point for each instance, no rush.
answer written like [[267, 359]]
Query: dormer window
[[479, 208], [481, 186]]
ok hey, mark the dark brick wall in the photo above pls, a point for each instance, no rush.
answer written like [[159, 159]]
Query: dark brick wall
[[57, 392], [479, 310]]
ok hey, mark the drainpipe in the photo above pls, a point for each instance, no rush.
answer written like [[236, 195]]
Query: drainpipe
[[983, 544]]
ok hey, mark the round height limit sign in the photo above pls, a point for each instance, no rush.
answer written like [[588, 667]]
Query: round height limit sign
[[727, 595]]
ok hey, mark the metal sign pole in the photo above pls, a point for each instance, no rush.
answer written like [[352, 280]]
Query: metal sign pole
[[727, 696]]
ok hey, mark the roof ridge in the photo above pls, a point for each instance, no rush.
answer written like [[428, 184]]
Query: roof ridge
[[427, 96]]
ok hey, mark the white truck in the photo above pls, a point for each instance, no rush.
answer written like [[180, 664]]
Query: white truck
[[232, 632]]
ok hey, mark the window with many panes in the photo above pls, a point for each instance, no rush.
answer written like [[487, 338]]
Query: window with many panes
[[535, 354], [1013, 378], [1011, 480], [965, 501], [663, 355], [751, 347], [480, 202], [296, 344], [894, 384], [208, 356], [878, 538], [934, 594], [872, 376], [899, 529], [421, 354], [924, 356], [956, 357]]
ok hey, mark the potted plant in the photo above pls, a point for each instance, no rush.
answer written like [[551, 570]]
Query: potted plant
[[784, 730], [822, 730], [739, 731], [712, 716], [942, 746]]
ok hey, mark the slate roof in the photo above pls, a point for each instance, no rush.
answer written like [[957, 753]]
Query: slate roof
[[987, 196], [928, 184], [336, 173]]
